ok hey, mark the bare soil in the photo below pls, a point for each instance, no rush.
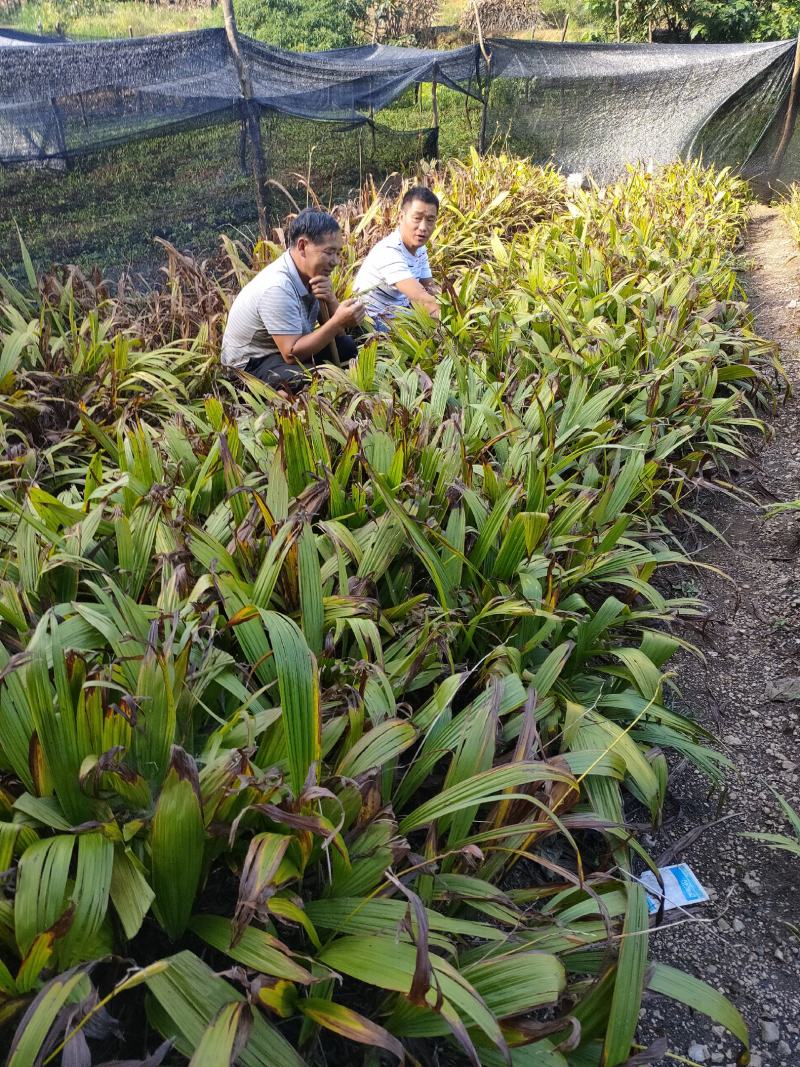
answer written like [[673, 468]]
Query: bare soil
[[743, 941]]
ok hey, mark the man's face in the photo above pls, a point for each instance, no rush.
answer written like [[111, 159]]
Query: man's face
[[417, 221], [322, 256]]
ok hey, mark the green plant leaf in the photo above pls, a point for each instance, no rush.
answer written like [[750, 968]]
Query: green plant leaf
[[185, 1015], [630, 976], [176, 844], [298, 684], [699, 996], [223, 1036], [480, 789], [41, 894], [350, 1024], [379, 745], [40, 1016], [254, 948], [130, 891]]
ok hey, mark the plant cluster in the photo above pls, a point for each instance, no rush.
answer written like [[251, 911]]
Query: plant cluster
[[308, 25], [499, 17], [325, 724], [300, 25], [709, 20], [790, 207], [90, 19], [398, 20]]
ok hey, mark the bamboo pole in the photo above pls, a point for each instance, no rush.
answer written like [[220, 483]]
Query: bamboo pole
[[791, 117], [564, 28], [618, 15], [251, 114], [479, 28], [487, 58]]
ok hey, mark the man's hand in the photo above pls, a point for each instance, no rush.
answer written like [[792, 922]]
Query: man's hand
[[321, 288], [349, 313]]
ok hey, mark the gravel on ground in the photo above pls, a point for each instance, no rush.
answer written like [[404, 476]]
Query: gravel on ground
[[746, 941]]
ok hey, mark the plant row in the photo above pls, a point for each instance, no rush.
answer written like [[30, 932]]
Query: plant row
[[326, 725]]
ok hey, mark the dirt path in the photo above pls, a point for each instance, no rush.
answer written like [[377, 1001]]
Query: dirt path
[[741, 942]]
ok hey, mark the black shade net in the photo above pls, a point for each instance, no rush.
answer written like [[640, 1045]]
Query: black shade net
[[188, 187], [588, 107], [66, 98], [107, 144], [596, 107]]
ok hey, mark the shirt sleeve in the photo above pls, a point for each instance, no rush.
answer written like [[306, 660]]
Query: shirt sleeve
[[280, 312], [393, 267]]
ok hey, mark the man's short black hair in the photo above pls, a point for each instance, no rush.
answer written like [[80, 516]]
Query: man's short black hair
[[420, 192], [312, 224]]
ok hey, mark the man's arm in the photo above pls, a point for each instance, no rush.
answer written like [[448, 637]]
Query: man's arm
[[300, 348], [418, 293]]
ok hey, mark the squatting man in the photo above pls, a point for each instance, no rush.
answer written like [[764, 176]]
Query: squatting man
[[285, 320]]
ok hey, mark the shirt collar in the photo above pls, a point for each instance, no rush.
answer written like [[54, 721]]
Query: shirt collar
[[402, 245], [294, 276]]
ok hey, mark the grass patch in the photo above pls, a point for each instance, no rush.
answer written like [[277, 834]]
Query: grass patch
[[108, 206], [117, 19]]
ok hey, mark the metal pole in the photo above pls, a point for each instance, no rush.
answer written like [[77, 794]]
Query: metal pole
[[485, 108], [251, 114], [791, 117], [435, 110]]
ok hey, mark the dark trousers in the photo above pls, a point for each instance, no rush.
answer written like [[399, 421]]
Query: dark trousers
[[275, 371]]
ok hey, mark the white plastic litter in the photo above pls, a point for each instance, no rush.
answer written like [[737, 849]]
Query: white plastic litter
[[681, 888]]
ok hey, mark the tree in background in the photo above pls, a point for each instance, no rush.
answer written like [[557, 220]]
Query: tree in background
[[399, 21], [554, 13], [731, 20], [302, 25], [778, 20], [707, 20], [310, 25], [501, 16]]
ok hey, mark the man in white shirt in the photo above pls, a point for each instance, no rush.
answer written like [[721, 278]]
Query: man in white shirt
[[274, 328], [396, 273]]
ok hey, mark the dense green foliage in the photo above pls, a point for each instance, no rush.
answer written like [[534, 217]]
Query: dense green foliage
[[302, 25], [327, 717], [708, 20]]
